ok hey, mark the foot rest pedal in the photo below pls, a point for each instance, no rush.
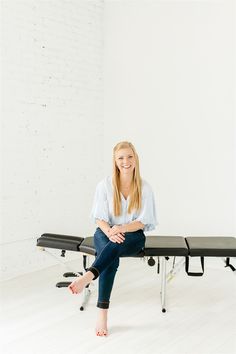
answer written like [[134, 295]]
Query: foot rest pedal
[[71, 274], [63, 284]]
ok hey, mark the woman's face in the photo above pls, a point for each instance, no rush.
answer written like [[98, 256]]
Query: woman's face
[[125, 160]]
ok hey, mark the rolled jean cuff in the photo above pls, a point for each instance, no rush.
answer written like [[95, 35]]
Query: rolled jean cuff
[[94, 271], [103, 304]]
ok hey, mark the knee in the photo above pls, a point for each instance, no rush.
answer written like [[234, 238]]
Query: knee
[[115, 246]]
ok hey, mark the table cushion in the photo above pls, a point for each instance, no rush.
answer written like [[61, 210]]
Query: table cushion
[[212, 246], [87, 246], [62, 242], [165, 246]]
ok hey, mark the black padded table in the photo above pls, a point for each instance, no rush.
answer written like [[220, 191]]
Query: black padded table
[[211, 246], [155, 246], [63, 242]]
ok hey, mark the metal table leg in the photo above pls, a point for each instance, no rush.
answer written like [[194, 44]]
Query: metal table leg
[[163, 285]]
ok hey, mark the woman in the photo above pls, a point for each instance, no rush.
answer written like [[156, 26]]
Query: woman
[[123, 209]]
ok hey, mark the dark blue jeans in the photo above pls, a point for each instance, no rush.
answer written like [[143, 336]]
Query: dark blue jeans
[[107, 260]]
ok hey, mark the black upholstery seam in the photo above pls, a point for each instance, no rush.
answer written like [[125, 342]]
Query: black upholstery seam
[[186, 241]]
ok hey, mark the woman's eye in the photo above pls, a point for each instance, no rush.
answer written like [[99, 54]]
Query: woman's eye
[[121, 158]]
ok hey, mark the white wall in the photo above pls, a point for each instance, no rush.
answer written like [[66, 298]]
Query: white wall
[[52, 115], [169, 81], [169, 89]]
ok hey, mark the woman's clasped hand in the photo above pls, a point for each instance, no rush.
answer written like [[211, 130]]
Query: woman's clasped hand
[[117, 234]]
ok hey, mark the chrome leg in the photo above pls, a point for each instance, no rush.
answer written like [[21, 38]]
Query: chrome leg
[[163, 285], [86, 293]]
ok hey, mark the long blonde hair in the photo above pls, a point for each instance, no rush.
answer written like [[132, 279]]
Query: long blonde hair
[[135, 200]]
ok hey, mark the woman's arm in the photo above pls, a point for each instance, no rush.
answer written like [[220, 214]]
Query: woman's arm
[[131, 227], [104, 226]]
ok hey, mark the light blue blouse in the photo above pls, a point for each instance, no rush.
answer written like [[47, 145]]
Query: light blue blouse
[[102, 208]]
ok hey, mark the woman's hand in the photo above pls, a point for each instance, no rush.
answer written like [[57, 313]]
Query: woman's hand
[[116, 234], [118, 238], [117, 229]]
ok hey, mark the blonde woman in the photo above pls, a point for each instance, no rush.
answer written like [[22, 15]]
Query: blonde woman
[[123, 209]]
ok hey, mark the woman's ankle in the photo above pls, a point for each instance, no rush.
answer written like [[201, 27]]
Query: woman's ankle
[[103, 312], [89, 275]]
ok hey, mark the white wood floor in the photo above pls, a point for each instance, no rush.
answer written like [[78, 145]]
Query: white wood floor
[[200, 319]]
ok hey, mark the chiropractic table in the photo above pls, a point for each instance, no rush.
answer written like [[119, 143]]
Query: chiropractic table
[[162, 247]]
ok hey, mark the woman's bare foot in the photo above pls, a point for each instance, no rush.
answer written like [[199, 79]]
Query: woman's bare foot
[[101, 328], [78, 285]]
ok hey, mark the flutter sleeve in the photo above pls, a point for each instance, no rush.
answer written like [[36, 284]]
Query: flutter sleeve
[[100, 204], [147, 214]]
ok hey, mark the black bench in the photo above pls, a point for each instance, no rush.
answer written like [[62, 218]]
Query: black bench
[[155, 246]]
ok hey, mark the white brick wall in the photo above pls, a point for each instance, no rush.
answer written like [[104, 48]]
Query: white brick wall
[[52, 109]]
